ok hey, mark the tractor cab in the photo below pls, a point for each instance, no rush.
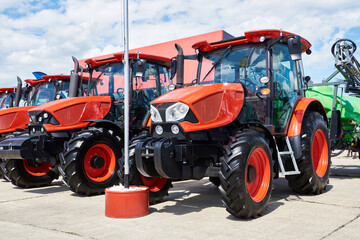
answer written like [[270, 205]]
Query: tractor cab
[[7, 96], [149, 79], [262, 64]]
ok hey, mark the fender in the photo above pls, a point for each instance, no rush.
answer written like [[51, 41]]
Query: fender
[[106, 124], [304, 105], [268, 135]]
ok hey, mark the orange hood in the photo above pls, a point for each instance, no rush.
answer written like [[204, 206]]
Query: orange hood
[[72, 112], [214, 105], [14, 118]]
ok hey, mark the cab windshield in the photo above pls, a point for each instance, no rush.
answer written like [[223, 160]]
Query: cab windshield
[[45, 92], [6, 101], [153, 83], [239, 64]]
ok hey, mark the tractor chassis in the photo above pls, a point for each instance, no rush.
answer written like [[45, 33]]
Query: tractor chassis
[[169, 158], [39, 147]]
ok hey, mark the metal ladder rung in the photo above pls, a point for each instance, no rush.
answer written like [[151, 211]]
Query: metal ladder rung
[[286, 153], [291, 153]]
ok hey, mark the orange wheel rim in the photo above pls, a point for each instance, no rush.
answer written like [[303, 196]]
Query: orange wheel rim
[[96, 173], [259, 167], [37, 170], [154, 184], [319, 153]]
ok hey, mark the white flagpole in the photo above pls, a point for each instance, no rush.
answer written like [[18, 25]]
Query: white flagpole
[[126, 93]]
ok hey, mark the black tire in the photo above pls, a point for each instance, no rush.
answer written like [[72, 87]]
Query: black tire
[[309, 181], [82, 171], [158, 187], [3, 170], [337, 152], [28, 174], [215, 181], [247, 148]]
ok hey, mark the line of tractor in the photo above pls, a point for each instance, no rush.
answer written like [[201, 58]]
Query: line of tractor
[[248, 114]]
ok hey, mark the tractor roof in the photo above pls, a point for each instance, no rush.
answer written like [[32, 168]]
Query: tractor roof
[[117, 57], [250, 37], [46, 78], [4, 90]]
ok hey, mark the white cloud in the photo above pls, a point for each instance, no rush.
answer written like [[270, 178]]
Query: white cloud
[[38, 35]]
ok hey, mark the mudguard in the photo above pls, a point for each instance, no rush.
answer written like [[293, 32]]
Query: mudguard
[[305, 104]]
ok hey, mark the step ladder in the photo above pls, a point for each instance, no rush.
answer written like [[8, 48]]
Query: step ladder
[[291, 153]]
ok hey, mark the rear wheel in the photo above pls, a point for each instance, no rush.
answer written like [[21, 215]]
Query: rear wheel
[[89, 163], [314, 163], [158, 187], [28, 173], [246, 175]]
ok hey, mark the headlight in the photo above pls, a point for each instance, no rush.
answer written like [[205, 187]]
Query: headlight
[[155, 115], [176, 112]]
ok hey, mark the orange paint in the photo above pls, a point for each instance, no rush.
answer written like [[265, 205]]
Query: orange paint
[[229, 98], [250, 37], [72, 112], [298, 115]]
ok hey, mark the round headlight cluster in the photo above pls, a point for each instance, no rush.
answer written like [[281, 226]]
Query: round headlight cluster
[[175, 129], [155, 115], [43, 116], [159, 130], [176, 112]]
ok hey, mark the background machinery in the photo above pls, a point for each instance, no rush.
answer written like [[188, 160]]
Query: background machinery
[[14, 122], [83, 136], [341, 99]]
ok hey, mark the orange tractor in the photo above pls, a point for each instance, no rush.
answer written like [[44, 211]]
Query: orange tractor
[[83, 136], [244, 121], [14, 121]]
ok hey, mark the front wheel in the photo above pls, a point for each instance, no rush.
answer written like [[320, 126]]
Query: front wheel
[[158, 187], [27, 173], [246, 175], [314, 163], [89, 163]]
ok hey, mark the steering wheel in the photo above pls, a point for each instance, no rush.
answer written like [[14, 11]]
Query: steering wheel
[[344, 43], [120, 92]]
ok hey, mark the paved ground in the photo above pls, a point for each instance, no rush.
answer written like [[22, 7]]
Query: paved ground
[[193, 210]]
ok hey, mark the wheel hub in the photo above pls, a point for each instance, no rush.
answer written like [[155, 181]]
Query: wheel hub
[[97, 162], [251, 174]]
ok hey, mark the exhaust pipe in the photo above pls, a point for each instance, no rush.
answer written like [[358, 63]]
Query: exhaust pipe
[[18, 92], [180, 65], [74, 80]]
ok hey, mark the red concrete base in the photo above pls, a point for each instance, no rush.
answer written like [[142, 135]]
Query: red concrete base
[[127, 203]]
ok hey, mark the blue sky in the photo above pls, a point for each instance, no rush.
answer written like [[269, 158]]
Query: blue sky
[[42, 35]]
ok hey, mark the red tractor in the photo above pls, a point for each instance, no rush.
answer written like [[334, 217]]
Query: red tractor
[[244, 121], [14, 121], [84, 135]]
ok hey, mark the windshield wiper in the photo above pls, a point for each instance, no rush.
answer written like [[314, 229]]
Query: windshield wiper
[[218, 61]]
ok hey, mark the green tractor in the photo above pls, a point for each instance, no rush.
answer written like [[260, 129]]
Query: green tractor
[[343, 111]]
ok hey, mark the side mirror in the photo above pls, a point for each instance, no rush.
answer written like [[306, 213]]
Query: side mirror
[[307, 79], [140, 67], [173, 68], [294, 45], [171, 87]]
